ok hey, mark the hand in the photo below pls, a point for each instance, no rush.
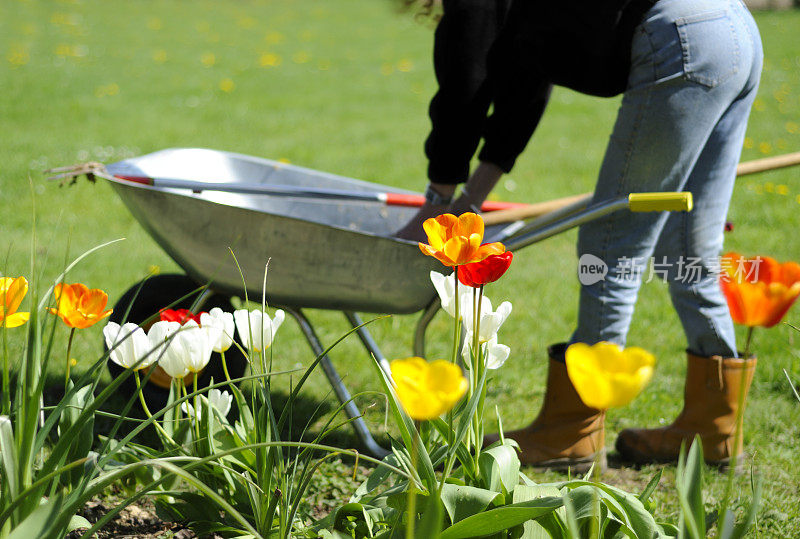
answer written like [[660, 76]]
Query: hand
[[413, 229]]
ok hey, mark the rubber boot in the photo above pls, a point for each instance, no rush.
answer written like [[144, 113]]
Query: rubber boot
[[566, 434], [710, 402]]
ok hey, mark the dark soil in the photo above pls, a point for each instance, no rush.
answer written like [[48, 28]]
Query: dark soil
[[137, 520]]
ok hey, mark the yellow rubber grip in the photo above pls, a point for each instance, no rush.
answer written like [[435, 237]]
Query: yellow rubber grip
[[660, 201]]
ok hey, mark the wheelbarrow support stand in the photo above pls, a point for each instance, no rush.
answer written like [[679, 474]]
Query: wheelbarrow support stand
[[352, 411]]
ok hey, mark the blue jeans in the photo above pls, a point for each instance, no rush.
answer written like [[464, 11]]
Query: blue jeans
[[694, 75]]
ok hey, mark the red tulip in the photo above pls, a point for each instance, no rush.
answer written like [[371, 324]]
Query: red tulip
[[179, 315], [760, 290], [486, 271]]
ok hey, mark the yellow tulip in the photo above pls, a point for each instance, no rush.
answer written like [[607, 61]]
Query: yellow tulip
[[78, 306], [12, 292], [457, 240], [606, 376], [427, 390]]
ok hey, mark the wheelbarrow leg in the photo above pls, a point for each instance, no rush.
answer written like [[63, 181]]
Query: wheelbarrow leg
[[338, 386], [422, 326], [367, 340]]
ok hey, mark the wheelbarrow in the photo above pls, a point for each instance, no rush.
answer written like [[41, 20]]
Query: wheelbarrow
[[329, 241]]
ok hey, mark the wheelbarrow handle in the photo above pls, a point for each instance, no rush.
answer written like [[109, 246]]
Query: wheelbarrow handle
[[535, 232], [641, 202], [542, 208]]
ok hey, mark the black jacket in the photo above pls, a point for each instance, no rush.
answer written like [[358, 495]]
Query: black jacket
[[507, 54]]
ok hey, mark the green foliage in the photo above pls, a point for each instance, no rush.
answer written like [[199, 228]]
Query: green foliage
[[353, 119]]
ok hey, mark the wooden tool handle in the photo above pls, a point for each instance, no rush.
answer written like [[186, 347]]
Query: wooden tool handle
[[768, 163], [532, 210], [540, 208]]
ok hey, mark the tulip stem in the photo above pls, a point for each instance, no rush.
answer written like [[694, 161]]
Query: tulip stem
[[146, 409], [456, 342], [739, 432], [69, 350], [6, 382], [457, 316], [477, 369], [748, 341], [225, 367], [196, 408], [411, 509]]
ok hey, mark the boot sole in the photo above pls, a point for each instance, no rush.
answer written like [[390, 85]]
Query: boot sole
[[581, 465], [635, 457]]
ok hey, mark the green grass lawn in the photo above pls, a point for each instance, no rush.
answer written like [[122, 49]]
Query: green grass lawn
[[343, 87]]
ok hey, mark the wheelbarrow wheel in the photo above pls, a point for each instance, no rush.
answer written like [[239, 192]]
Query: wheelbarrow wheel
[[145, 299]]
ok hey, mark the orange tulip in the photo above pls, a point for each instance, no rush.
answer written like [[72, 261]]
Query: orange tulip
[[457, 240], [78, 306], [760, 290], [12, 291]]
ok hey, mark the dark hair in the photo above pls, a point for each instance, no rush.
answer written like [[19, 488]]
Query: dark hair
[[422, 9]]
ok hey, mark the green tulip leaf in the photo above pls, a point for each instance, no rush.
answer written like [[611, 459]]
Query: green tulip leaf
[[546, 526], [352, 512], [38, 523], [499, 468], [689, 484], [464, 501], [501, 518]]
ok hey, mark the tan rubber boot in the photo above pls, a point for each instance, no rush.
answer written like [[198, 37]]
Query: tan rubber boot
[[711, 400], [566, 434]]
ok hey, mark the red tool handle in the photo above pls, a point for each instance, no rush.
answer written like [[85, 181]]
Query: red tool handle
[[401, 199]]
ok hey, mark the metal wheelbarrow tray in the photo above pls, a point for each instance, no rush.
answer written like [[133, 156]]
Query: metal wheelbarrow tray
[[326, 253]]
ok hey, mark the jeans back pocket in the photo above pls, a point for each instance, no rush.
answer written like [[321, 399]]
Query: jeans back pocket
[[710, 47]]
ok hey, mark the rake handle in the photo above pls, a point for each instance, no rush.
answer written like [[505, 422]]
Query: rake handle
[[537, 210]]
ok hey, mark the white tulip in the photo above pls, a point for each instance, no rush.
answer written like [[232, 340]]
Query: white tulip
[[445, 287], [128, 344], [490, 321], [218, 318], [219, 400], [161, 336], [494, 353], [195, 344], [259, 325]]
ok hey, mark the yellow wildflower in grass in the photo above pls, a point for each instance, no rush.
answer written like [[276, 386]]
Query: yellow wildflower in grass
[[749, 143], [301, 57], [274, 38], [78, 306], [269, 59], [208, 59], [405, 65], [782, 189], [18, 56], [606, 376], [107, 90], [12, 292], [792, 127], [227, 85], [427, 390], [63, 49], [246, 22], [454, 241], [160, 56], [758, 105], [765, 148]]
